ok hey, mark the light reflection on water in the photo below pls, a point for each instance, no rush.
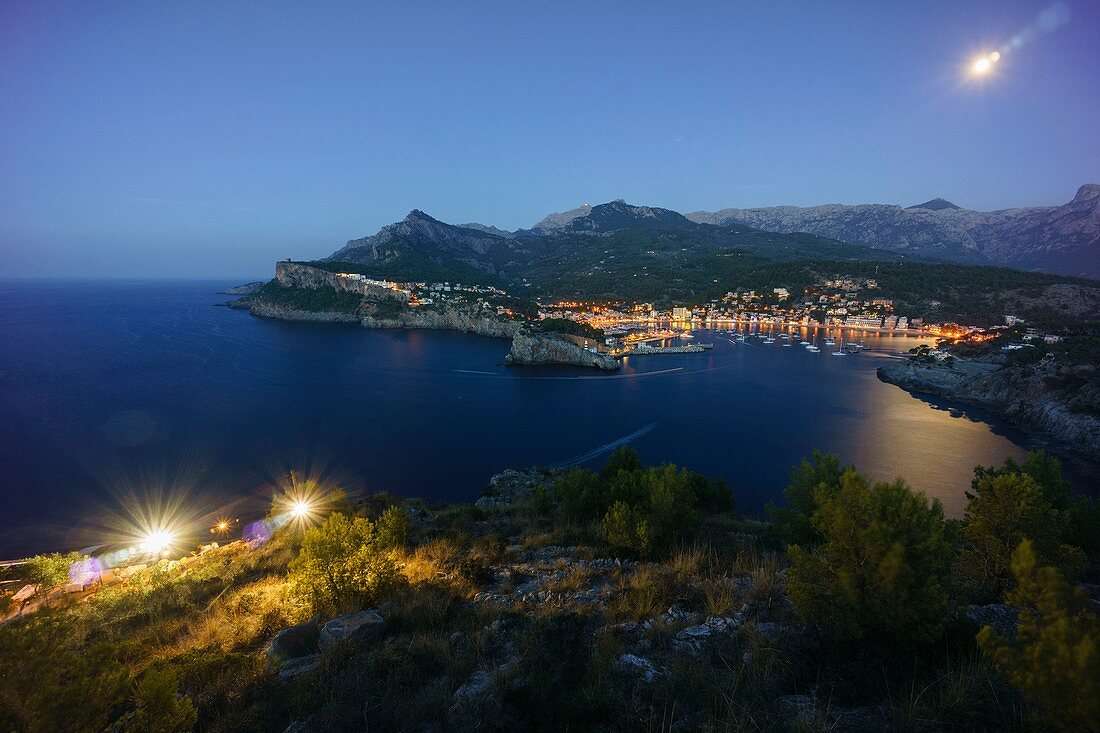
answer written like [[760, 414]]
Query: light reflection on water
[[114, 387]]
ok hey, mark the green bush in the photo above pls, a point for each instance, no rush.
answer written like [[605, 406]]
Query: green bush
[[393, 528], [643, 510], [1055, 660], [342, 566], [52, 569], [160, 709], [1004, 510], [880, 573], [48, 684], [793, 521]]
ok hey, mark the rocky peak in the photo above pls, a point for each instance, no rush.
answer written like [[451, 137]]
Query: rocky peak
[[936, 204], [418, 215], [1088, 192]]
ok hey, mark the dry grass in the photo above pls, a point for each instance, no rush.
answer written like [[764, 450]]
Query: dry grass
[[643, 594], [719, 597]]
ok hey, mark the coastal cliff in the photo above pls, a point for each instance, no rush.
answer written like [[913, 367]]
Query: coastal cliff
[[552, 348], [466, 320], [268, 310], [1018, 394]]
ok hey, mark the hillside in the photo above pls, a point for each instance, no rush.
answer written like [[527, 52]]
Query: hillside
[[612, 250], [621, 599], [1059, 239]]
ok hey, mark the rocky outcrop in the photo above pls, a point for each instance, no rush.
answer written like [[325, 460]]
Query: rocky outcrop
[[294, 642], [552, 348], [246, 289], [267, 310], [1018, 394], [466, 320], [362, 627], [512, 487]]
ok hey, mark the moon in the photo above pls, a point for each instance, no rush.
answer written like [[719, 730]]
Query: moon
[[984, 64]]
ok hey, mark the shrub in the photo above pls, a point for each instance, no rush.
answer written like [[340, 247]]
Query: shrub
[[393, 528], [793, 520], [628, 529], [159, 708], [1045, 470], [341, 565], [582, 495], [49, 685], [46, 571], [881, 572], [1055, 660], [1004, 510]]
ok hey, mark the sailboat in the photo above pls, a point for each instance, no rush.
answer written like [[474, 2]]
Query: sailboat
[[840, 351]]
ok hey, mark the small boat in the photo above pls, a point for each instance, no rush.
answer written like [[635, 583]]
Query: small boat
[[769, 340], [840, 351], [830, 342]]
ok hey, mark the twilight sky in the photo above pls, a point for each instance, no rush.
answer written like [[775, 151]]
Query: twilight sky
[[212, 138]]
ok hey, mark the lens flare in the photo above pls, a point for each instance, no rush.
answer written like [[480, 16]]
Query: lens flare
[[157, 542]]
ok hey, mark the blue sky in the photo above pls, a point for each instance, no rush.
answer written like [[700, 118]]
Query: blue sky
[[195, 139]]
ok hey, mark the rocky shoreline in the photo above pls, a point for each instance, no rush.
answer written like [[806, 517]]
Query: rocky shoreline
[[528, 348], [1018, 395], [553, 348]]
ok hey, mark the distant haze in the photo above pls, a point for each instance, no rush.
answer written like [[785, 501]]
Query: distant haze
[[210, 139]]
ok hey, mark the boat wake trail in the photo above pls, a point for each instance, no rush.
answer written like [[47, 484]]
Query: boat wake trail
[[606, 448]]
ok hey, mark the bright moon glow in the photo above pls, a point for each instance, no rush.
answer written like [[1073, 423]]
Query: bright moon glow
[[984, 64]]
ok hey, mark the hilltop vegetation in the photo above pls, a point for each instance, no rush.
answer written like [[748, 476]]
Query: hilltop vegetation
[[631, 598]]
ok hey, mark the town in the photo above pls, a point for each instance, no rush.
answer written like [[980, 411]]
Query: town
[[619, 328]]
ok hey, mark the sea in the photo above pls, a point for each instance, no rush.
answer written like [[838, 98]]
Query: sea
[[125, 404]]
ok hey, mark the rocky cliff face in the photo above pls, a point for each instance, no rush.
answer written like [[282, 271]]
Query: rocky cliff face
[[266, 310], [1019, 395], [1062, 239], [551, 348], [246, 289], [467, 320]]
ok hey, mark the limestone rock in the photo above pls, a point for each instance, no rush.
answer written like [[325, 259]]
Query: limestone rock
[[299, 666], [532, 348], [639, 666], [364, 626], [294, 642]]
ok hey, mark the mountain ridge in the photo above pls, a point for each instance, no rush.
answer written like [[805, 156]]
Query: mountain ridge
[[1061, 239]]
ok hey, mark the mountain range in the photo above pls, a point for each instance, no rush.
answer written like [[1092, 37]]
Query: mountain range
[[1057, 239], [621, 250]]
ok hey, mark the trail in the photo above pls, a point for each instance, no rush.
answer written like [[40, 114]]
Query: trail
[[606, 448]]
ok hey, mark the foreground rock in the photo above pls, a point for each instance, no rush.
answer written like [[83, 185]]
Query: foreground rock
[[511, 487], [553, 348], [365, 626], [294, 642]]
